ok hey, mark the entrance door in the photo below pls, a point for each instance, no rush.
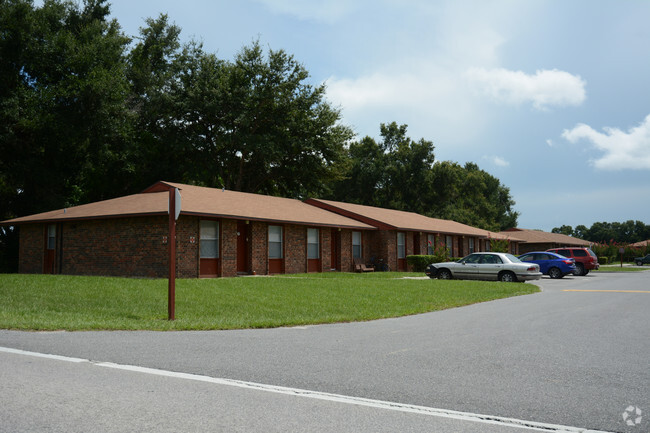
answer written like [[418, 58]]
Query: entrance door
[[50, 250], [243, 239], [336, 241]]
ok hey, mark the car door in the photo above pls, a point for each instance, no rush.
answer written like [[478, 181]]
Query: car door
[[490, 266], [467, 268]]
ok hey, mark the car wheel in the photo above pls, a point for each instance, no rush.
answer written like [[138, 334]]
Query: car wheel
[[555, 273], [580, 270], [444, 274], [507, 277], [639, 263]]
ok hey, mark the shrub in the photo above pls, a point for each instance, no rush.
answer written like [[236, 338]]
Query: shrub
[[419, 263]]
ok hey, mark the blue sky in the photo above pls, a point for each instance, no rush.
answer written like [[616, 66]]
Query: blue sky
[[551, 97]]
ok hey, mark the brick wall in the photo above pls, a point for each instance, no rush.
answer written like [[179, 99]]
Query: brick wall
[[187, 253], [116, 247], [295, 249], [228, 248], [259, 248], [32, 248]]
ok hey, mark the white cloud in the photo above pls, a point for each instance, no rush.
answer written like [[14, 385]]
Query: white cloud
[[623, 150], [497, 160], [544, 89], [328, 11], [550, 143]]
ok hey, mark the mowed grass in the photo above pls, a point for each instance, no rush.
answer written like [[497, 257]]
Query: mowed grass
[[58, 302]]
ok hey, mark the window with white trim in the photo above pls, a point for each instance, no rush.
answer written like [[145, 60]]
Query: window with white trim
[[470, 242], [449, 241], [356, 245], [313, 245], [209, 240], [51, 236], [431, 244], [401, 245], [275, 242]]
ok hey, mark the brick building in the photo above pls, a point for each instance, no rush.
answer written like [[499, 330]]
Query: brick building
[[218, 233], [400, 234], [537, 240], [228, 233]]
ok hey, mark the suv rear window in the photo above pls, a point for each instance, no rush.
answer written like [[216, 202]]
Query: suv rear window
[[580, 253], [591, 253]]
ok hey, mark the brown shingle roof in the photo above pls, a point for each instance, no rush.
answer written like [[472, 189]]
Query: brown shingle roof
[[201, 201], [538, 236], [391, 219]]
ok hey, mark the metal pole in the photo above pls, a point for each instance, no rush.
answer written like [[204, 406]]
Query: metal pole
[[171, 295]]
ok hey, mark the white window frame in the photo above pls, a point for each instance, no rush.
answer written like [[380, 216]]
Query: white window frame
[[51, 236], [276, 242], [431, 244], [357, 251], [449, 242], [313, 243], [401, 245], [205, 238]]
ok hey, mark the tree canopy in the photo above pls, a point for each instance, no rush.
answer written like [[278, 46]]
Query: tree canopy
[[604, 232], [400, 173]]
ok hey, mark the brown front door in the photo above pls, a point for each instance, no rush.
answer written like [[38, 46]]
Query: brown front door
[[336, 241], [242, 247], [50, 250]]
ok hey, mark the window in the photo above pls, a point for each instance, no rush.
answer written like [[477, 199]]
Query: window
[[313, 250], [488, 246], [431, 242], [356, 245], [401, 245], [275, 242], [209, 241], [51, 236], [449, 241], [471, 245]]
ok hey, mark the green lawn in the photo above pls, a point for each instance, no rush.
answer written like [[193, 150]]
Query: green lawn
[[618, 268], [53, 302]]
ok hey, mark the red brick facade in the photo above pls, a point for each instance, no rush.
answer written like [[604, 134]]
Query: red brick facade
[[138, 247]]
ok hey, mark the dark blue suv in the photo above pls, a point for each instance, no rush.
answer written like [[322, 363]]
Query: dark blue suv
[[551, 264]]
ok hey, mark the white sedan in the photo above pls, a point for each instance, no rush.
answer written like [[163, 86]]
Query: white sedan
[[485, 266]]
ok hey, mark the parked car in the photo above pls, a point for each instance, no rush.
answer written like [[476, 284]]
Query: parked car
[[642, 260], [485, 266], [551, 264], [586, 259]]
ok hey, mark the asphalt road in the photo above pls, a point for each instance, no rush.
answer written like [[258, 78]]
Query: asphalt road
[[572, 358]]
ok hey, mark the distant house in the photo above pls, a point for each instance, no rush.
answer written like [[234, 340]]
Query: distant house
[[641, 244], [400, 233], [537, 240], [219, 233]]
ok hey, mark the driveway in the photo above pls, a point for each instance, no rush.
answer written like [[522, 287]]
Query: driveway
[[576, 355]]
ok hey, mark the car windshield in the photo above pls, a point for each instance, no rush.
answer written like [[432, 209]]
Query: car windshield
[[512, 258]]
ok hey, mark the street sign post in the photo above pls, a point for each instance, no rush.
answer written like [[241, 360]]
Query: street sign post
[[174, 211]]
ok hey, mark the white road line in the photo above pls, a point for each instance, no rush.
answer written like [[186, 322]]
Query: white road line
[[377, 404]]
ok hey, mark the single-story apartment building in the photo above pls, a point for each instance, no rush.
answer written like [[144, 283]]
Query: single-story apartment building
[[218, 233], [221, 233], [400, 234], [537, 240]]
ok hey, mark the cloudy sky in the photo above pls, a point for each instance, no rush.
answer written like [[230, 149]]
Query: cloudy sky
[[551, 97]]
